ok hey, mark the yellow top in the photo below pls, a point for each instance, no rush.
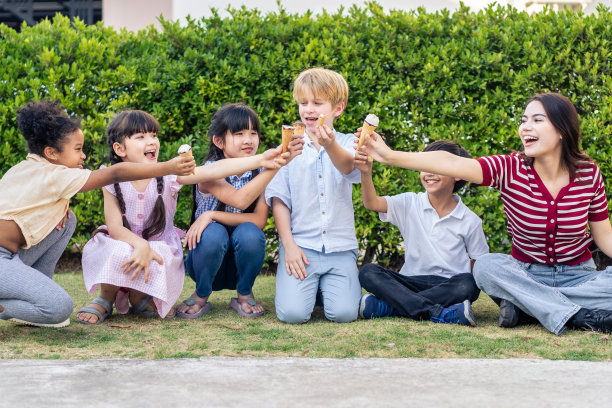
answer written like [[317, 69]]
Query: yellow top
[[36, 193]]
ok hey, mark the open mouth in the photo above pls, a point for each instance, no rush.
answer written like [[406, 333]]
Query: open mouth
[[431, 181], [529, 140], [151, 154]]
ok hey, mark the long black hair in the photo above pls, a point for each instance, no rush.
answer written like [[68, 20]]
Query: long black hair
[[124, 125], [231, 118], [45, 123]]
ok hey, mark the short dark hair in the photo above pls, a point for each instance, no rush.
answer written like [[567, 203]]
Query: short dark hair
[[451, 147], [45, 123]]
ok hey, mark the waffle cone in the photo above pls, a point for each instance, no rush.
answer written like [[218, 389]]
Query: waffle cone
[[366, 131], [299, 129], [287, 135], [187, 154], [321, 120]]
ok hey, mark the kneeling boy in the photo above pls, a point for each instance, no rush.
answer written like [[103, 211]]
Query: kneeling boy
[[441, 236]]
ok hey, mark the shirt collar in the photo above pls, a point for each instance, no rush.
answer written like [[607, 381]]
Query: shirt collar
[[458, 212], [36, 158]]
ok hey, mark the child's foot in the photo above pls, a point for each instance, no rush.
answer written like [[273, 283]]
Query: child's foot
[[370, 307], [460, 313], [247, 306], [95, 312], [193, 307]]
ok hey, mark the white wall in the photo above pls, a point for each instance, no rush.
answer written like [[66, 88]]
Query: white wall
[[200, 8]]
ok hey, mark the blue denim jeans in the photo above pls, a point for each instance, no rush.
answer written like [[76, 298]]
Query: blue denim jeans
[[335, 273], [550, 293], [227, 258]]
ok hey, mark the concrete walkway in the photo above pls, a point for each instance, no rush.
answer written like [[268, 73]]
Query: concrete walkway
[[297, 382]]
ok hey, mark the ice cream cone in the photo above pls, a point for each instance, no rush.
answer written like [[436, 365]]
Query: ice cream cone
[[370, 124], [287, 135], [321, 120], [300, 127], [185, 151]]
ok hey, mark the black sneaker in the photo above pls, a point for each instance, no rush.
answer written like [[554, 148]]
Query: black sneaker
[[593, 319], [508, 314]]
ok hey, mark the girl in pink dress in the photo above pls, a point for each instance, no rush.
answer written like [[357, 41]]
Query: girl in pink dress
[[139, 235]]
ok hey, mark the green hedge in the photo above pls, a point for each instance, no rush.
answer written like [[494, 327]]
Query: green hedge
[[463, 76]]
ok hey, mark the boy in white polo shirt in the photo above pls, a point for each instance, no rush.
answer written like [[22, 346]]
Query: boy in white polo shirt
[[441, 236]]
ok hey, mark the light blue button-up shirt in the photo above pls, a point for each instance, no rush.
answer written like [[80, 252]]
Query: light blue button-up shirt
[[319, 198]]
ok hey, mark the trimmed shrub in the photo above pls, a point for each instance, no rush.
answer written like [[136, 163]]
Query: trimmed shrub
[[463, 76]]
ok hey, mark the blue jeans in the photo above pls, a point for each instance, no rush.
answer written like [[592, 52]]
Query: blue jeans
[[335, 273], [227, 258], [550, 293]]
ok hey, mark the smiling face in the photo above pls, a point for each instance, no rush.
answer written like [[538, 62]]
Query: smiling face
[[539, 136], [242, 143], [72, 154], [138, 148], [312, 106], [437, 185]]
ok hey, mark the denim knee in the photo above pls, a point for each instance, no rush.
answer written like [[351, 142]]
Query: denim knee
[[213, 242], [248, 239], [343, 314], [292, 313], [465, 286]]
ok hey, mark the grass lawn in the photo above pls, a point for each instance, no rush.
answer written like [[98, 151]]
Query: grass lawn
[[223, 333]]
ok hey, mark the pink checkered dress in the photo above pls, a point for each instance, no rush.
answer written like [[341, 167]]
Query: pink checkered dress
[[103, 255]]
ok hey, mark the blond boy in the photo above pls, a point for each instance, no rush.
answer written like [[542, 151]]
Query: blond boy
[[311, 199]]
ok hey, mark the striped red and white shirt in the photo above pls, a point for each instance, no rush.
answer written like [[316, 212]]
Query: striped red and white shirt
[[543, 229]]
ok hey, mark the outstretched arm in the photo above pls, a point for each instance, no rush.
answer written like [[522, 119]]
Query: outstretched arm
[[270, 159], [435, 162], [120, 172], [371, 200]]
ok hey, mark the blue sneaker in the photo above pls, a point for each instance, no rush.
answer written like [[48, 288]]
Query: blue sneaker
[[461, 313], [370, 306]]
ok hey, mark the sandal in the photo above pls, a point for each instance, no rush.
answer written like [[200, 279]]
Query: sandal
[[205, 307], [237, 306], [100, 301], [142, 308]]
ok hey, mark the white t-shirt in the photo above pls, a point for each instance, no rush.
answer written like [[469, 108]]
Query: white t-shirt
[[434, 245]]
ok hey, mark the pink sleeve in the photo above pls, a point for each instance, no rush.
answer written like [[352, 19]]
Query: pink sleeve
[[174, 185]]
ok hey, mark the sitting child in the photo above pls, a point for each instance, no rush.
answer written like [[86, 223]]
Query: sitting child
[[441, 237]]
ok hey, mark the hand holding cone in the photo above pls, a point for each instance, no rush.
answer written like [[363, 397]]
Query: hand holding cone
[[370, 123], [185, 151], [287, 135]]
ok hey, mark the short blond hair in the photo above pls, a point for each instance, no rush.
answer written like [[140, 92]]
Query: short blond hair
[[323, 83]]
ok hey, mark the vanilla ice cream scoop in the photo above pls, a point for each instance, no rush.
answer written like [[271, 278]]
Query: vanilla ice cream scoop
[[185, 148], [372, 119]]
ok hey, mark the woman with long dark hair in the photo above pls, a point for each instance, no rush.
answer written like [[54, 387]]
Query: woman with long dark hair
[[551, 191]]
